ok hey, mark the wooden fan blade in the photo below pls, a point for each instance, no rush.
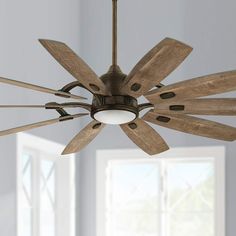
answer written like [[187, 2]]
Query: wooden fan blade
[[75, 66], [192, 125], [22, 106], [53, 105], [208, 106], [193, 88], [39, 124], [38, 88], [155, 66], [145, 137], [83, 138]]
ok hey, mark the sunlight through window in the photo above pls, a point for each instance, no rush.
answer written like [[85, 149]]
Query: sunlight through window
[[178, 196]]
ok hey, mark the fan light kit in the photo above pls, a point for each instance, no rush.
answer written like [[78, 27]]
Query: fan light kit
[[114, 117], [115, 97]]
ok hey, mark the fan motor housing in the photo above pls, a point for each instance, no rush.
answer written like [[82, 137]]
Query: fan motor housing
[[113, 80], [116, 102]]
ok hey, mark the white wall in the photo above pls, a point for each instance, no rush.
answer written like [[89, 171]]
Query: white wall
[[207, 25], [23, 58]]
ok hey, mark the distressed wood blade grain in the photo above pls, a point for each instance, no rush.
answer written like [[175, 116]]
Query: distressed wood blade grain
[[192, 125], [155, 66], [198, 87], [207, 106], [145, 137], [39, 124], [84, 137], [38, 88], [74, 65]]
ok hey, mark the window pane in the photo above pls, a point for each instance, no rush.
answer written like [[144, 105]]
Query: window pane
[[179, 193], [27, 176], [190, 186], [25, 196], [185, 224], [25, 224], [45, 208], [47, 199], [190, 198], [133, 199]]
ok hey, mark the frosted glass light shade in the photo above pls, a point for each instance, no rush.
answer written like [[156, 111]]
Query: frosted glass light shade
[[114, 117]]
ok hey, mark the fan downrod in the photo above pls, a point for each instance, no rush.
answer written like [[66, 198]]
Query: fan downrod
[[120, 107]]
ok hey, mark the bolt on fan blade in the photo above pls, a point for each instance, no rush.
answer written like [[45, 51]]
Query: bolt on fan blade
[[192, 125], [40, 124], [83, 138], [193, 88], [207, 106], [145, 137], [38, 88], [75, 66], [155, 66]]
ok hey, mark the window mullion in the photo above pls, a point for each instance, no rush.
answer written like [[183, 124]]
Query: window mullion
[[57, 202], [36, 198], [161, 199], [164, 200]]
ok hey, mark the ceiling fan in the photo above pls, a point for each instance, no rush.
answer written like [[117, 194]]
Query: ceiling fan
[[115, 97]]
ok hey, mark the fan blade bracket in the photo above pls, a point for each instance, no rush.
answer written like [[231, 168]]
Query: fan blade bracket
[[177, 108], [60, 110], [133, 125], [68, 87], [163, 119], [145, 106], [160, 85], [97, 126], [167, 95], [52, 105], [55, 105], [64, 95], [66, 118]]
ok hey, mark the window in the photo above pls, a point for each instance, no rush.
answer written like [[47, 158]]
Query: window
[[180, 193], [45, 188]]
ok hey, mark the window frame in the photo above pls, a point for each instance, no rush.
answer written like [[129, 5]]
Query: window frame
[[216, 152], [52, 149]]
